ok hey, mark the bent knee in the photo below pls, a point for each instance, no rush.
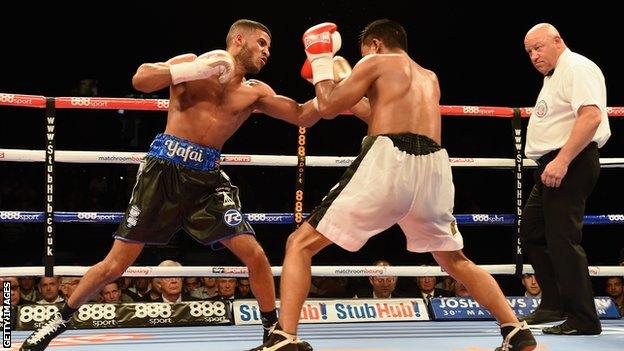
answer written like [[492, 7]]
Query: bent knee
[[291, 242], [296, 242], [306, 241]]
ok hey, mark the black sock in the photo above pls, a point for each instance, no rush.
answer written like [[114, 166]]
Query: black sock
[[268, 318], [66, 311]]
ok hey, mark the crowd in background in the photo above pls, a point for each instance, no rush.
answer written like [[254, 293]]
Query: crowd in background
[[53, 290]]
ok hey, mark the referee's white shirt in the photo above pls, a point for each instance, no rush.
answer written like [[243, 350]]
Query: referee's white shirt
[[576, 82]]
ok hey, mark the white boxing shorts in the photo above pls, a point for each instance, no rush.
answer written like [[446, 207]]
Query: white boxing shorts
[[396, 178]]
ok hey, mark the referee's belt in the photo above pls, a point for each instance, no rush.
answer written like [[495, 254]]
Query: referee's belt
[[552, 154]]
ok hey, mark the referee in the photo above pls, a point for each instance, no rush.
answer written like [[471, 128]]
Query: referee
[[567, 127]]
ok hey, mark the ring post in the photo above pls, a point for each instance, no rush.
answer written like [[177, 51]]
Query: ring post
[[516, 124], [299, 185], [50, 116]]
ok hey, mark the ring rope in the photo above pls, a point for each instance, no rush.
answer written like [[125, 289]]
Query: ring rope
[[122, 157], [274, 218], [317, 271], [103, 103], [162, 104]]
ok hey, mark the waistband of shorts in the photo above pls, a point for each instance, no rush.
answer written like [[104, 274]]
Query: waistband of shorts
[[184, 153], [414, 144]]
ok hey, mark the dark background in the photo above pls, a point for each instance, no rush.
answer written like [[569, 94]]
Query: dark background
[[477, 53]]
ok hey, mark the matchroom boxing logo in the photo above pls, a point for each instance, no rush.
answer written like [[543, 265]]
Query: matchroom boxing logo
[[6, 314]]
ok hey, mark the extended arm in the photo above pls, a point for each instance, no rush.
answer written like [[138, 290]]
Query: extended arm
[[342, 69], [334, 98], [285, 108]]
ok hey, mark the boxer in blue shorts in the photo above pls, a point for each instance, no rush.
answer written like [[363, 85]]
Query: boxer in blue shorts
[[180, 184]]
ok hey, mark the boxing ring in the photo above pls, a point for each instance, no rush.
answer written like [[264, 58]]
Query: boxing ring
[[431, 335], [401, 336]]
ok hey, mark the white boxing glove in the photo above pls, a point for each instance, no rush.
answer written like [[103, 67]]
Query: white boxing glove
[[341, 67], [215, 62]]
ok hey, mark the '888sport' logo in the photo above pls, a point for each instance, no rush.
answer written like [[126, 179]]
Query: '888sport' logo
[[87, 102], [7, 97], [18, 216], [162, 103], [80, 101], [87, 215], [37, 313], [152, 310], [10, 215], [616, 218], [96, 312], [480, 218], [488, 218], [256, 217], [470, 109], [207, 309]]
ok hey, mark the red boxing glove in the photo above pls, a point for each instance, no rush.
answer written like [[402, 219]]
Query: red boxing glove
[[321, 43], [306, 71]]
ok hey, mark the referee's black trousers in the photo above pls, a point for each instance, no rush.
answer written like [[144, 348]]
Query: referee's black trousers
[[551, 231]]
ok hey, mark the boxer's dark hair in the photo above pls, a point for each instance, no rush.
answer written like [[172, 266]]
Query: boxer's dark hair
[[389, 32]]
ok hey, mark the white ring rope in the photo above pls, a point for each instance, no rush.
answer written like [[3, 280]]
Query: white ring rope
[[317, 271], [118, 157], [113, 157]]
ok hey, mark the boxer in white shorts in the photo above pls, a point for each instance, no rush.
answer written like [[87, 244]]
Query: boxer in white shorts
[[402, 175], [397, 178]]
